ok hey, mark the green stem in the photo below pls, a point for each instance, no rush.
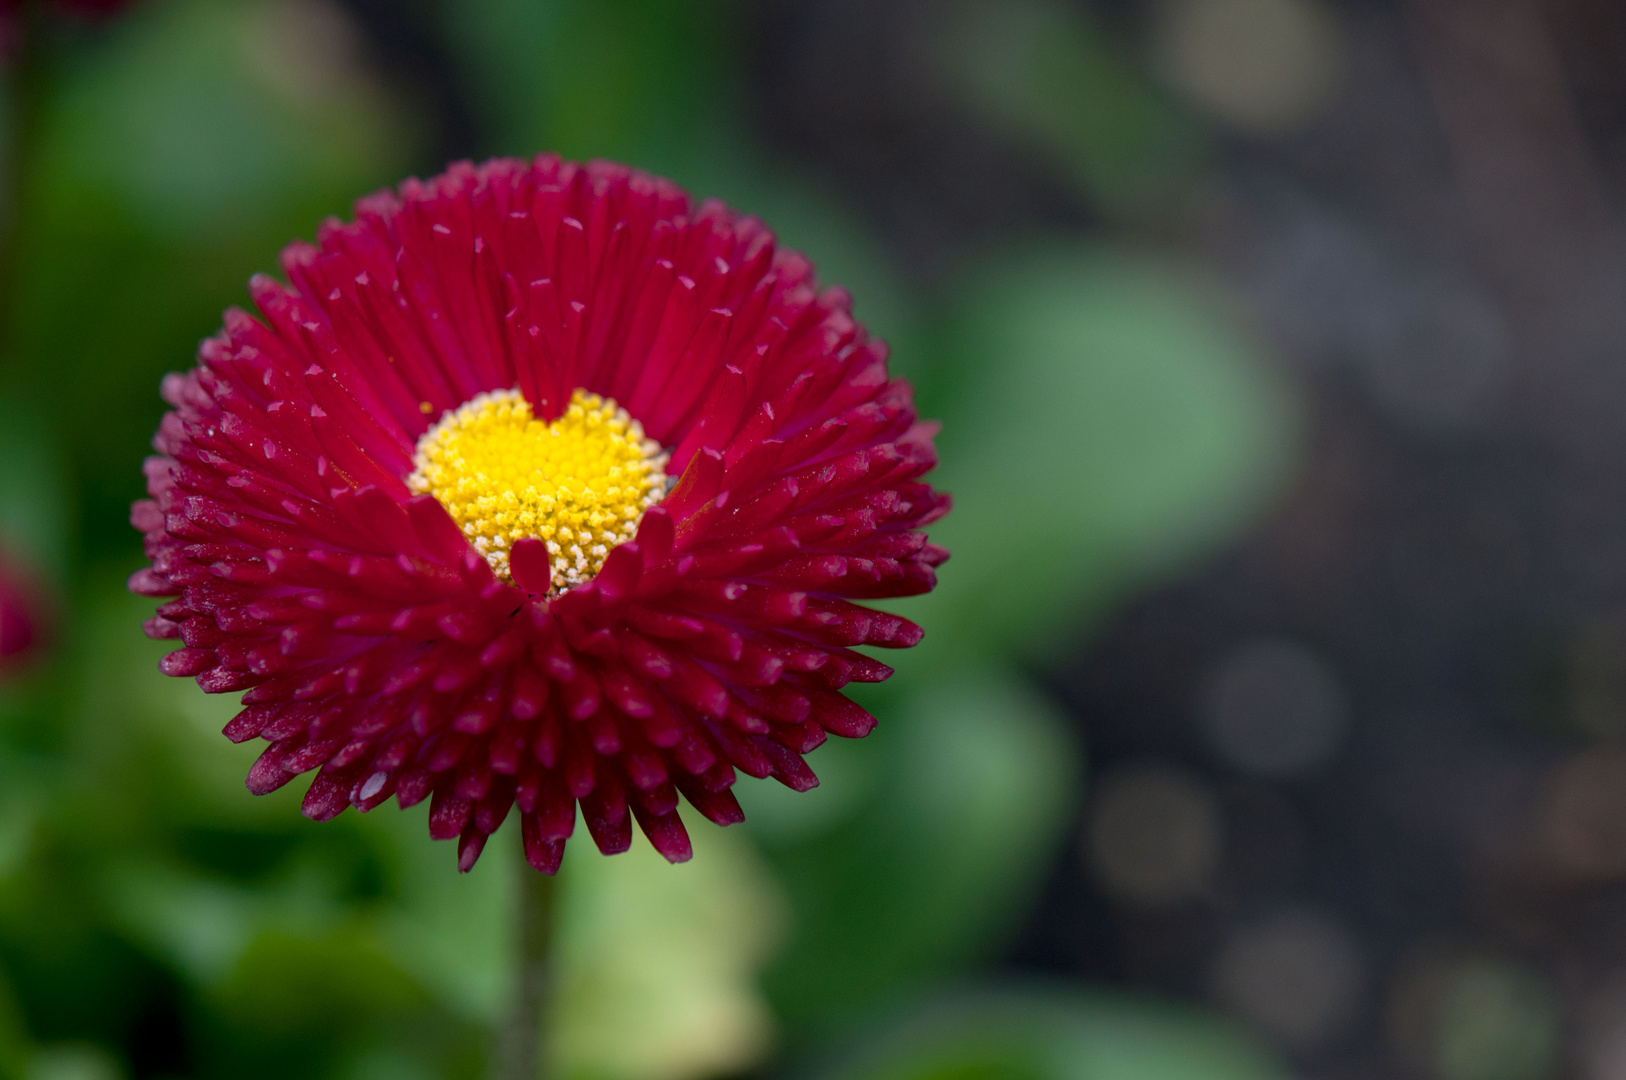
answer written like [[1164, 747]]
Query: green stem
[[519, 1040]]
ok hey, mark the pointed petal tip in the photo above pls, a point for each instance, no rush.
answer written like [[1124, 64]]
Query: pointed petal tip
[[529, 564]]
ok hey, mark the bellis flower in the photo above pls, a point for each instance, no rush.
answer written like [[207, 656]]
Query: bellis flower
[[22, 615], [538, 486]]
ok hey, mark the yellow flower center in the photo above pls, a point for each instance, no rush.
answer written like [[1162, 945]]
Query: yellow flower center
[[580, 484]]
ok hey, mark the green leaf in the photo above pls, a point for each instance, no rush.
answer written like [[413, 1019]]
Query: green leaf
[[631, 80], [1105, 421], [35, 504], [1050, 1033], [175, 153], [201, 116], [1048, 73], [971, 782]]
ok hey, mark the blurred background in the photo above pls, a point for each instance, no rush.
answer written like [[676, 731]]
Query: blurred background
[[1271, 719]]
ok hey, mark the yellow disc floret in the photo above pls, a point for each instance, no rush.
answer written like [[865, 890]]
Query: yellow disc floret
[[581, 483]]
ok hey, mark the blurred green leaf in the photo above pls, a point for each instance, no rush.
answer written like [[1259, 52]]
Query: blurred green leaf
[[74, 1062], [35, 500], [298, 985], [973, 778], [202, 927], [453, 932], [1040, 1033], [208, 116], [15, 1048], [1048, 72], [175, 154], [632, 80], [1105, 420], [389, 1062]]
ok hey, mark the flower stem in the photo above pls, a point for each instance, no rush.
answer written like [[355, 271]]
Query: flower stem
[[519, 1040]]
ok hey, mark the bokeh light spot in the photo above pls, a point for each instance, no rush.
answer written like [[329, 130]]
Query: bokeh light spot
[[1297, 976], [1264, 66], [1154, 835]]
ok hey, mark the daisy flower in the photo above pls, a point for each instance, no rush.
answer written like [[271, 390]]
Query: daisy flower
[[22, 614], [538, 486]]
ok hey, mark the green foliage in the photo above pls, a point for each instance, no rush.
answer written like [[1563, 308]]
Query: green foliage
[[36, 500], [631, 80], [1105, 420], [1056, 1034], [170, 161], [934, 855], [1046, 72]]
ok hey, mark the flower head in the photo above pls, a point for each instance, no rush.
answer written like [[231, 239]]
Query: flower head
[[22, 615], [538, 486]]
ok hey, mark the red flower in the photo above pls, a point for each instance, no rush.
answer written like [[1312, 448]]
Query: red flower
[[22, 616], [398, 514]]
